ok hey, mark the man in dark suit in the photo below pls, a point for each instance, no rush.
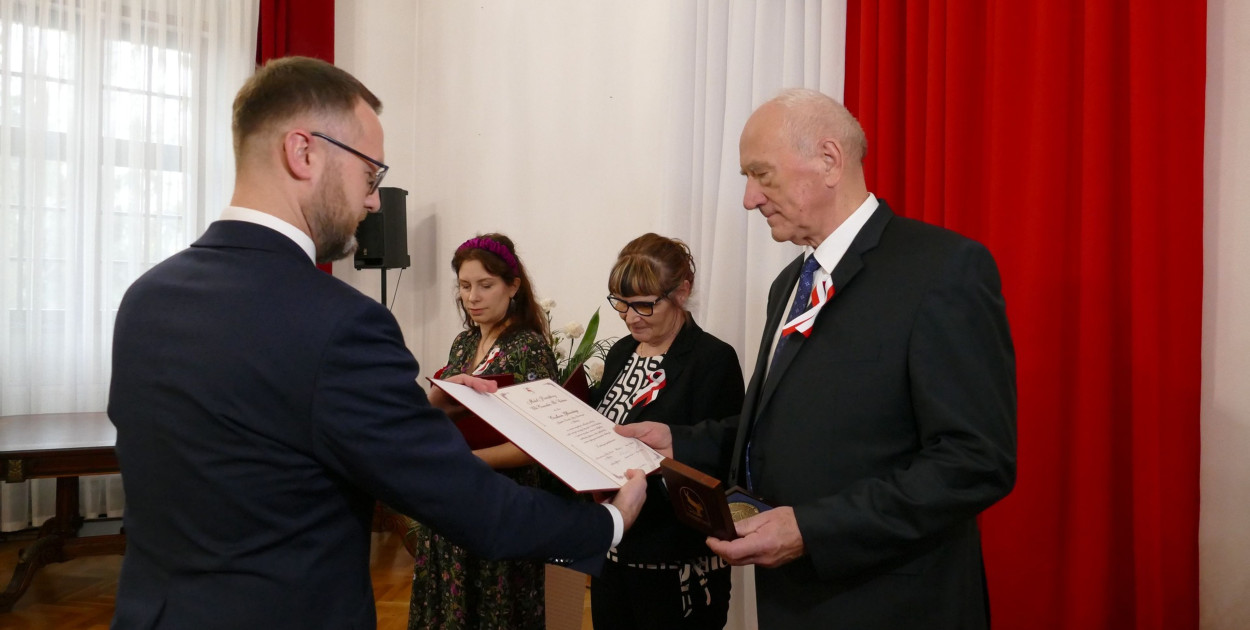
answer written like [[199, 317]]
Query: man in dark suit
[[261, 405], [880, 418]]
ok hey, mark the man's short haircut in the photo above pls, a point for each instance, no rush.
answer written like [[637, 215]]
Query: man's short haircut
[[288, 87], [811, 116]]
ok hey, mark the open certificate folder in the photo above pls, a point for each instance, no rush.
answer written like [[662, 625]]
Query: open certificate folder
[[563, 434]]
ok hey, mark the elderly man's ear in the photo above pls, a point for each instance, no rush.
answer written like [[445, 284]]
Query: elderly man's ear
[[834, 160]]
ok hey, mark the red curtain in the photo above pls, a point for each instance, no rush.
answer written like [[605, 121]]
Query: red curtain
[[1066, 135], [296, 27]]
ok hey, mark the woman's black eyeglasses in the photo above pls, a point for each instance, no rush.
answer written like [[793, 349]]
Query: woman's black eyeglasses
[[377, 174], [641, 307]]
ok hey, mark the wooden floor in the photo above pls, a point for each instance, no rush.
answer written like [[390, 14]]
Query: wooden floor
[[79, 594]]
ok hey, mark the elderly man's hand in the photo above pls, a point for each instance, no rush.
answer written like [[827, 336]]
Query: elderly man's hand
[[653, 434], [769, 539]]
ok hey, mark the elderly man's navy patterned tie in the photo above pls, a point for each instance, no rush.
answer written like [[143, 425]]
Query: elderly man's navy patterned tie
[[802, 297]]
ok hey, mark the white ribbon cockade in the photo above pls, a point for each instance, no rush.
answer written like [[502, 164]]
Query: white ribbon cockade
[[651, 390], [821, 294]]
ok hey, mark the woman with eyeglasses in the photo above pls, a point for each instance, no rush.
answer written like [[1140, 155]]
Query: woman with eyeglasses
[[505, 333], [669, 370]]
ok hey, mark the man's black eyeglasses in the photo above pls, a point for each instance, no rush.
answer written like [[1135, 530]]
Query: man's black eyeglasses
[[377, 175], [646, 309]]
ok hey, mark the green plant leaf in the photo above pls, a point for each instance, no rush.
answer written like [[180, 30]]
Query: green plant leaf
[[585, 349]]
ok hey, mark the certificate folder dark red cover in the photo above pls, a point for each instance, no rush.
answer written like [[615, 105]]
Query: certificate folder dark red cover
[[700, 500], [479, 434], [475, 430]]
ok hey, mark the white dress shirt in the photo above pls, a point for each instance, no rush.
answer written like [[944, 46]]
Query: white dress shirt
[[829, 253]]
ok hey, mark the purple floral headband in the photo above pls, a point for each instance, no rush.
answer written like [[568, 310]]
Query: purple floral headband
[[492, 246]]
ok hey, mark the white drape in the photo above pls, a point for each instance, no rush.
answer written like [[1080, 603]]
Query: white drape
[[731, 57], [115, 152], [575, 126]]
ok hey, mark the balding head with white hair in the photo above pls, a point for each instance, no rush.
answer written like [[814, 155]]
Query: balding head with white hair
[[802, 155]]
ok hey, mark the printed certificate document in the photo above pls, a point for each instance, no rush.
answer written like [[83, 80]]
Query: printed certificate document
[[562, 433]]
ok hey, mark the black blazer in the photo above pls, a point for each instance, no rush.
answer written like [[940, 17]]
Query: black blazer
[[888, 430], [702, 380], [261, 405]]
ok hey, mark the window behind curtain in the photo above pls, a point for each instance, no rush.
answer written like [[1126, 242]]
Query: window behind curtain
[[115, 152]]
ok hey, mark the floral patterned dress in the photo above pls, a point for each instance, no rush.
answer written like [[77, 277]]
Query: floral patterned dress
[[450, 588]]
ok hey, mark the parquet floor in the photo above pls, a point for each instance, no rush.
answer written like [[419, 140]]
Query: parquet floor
[[79, 594]]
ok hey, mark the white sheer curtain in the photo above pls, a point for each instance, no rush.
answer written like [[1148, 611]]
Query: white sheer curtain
[[115, 152], [541, 120], [575, 126], [731, 57]]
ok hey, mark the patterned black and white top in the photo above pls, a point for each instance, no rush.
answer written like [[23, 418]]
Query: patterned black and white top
[[619, 398]]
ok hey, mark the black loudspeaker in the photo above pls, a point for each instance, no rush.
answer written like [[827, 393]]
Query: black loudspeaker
[[382, 238]]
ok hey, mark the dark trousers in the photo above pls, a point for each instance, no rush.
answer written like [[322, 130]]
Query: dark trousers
[[624, 598]]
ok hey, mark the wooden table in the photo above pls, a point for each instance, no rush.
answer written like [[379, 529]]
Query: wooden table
[[64, 446]]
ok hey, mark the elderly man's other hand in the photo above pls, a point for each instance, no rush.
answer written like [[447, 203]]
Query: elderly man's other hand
[[769, 539], [653, 434]]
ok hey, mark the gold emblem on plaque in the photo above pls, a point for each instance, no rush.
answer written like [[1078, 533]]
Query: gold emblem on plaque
[[740, 510], [693, 505]]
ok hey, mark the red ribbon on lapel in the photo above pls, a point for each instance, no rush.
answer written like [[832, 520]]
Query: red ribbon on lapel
[[651, 390], [821, 294], [494, 352]]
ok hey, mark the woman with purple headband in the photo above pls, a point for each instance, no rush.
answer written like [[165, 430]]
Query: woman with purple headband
[[505, 333]]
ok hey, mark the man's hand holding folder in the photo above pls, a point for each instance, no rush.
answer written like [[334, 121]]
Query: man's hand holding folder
[[770, 538]]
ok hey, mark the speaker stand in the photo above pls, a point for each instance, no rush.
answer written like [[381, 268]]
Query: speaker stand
[[384, 288]]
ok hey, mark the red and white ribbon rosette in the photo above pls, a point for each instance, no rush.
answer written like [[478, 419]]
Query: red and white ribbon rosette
[[651, 390], [821, 294], [494, 352]]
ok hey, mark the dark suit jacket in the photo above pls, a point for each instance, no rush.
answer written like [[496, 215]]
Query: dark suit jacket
[[260, 406], [888, 430], [702, 380]]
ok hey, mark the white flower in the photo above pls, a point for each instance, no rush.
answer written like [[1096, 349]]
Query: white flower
[[561, 353], [594, 369], [547, 305], [572, 330]]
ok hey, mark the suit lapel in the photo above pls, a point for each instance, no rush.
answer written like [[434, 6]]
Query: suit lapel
[[848, 267], [764, 383], [777, 309], [751, 404]]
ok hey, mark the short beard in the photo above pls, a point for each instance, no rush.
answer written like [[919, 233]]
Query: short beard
[[334, 239]]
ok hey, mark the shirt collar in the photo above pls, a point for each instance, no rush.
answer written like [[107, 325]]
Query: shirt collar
[[248, 215], [831, 250]]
